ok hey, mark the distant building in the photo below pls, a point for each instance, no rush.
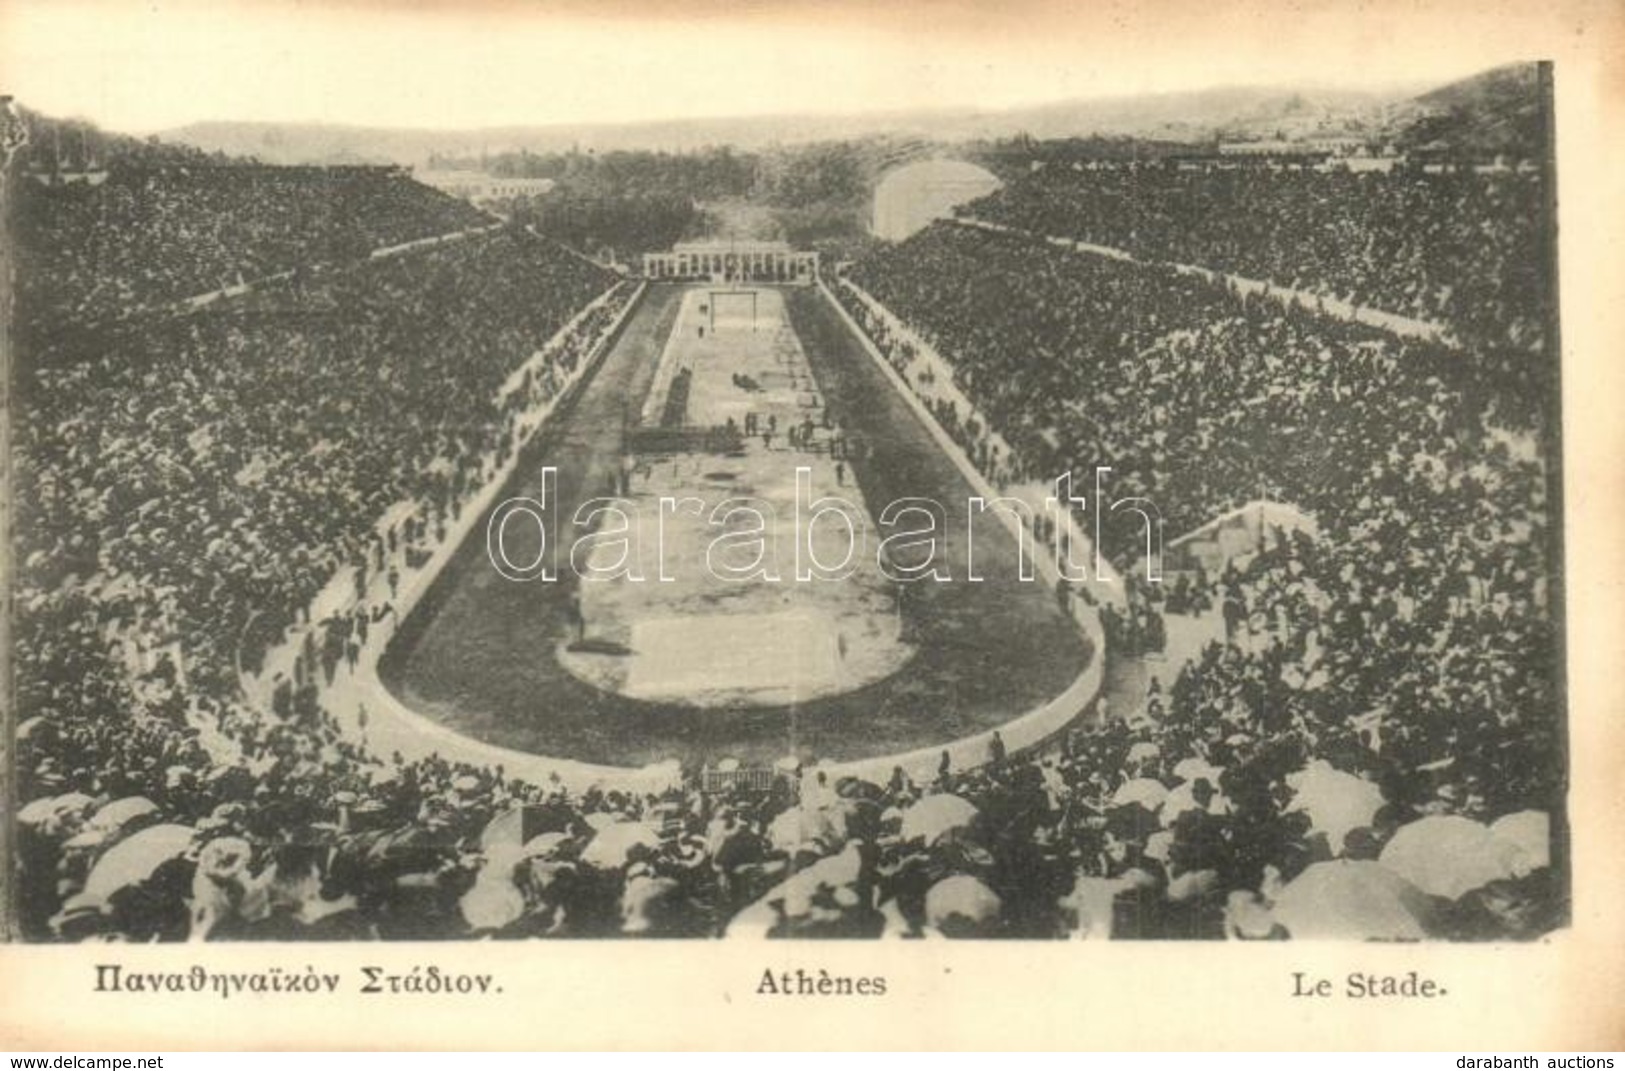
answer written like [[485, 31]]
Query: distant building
[[1359, 164], [908, 198], [724, 261], [1311, 146], [88, 177], [478, 187]]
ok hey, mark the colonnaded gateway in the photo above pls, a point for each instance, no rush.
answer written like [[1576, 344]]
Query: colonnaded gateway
[[757, 262]]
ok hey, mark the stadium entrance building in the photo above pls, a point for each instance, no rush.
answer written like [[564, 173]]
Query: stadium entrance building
[[733, 262]]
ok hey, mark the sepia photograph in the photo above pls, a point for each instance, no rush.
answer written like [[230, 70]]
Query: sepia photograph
[[502, 475]]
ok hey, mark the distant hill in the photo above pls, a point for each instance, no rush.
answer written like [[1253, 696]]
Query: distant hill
[[289, 143], [1186, 117], [78, 145], [1208, 115], [1495, 113]]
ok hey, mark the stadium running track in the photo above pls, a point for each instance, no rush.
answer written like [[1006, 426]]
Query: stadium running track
[[477, 654]]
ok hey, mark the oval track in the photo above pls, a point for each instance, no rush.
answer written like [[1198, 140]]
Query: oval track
[[477, 654]]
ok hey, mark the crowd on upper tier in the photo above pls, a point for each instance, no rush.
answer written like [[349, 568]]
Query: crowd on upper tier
[[1462, 248], [1079, 360], [151, 235]]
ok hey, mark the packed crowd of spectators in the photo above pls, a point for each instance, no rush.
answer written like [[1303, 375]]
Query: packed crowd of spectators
[[1461, 248], [188, 482], [1412, 641], [1118, 832], [149, 235], [1081, 360]]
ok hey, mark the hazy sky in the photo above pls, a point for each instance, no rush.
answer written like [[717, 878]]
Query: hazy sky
[[143, 66]]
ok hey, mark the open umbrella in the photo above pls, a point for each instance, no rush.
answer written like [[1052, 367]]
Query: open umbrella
[[1159, 845], [796, 894], [491, 903], [120, 813], [1529, 836], [1144, 791], [88, 837], [1143, 751], [611, 845], [650, 905], [524, 822], [1247, 918], [1352, 900], [37, 812], [132, 860], [1191, 885], [1194, 769], [799, 825], [55, 815], [50, 807], [506, 828], [544, 844], [1448, 855], [1336, 802], [1091, 903], [1183, 798], [935, 816], [963, 900]]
